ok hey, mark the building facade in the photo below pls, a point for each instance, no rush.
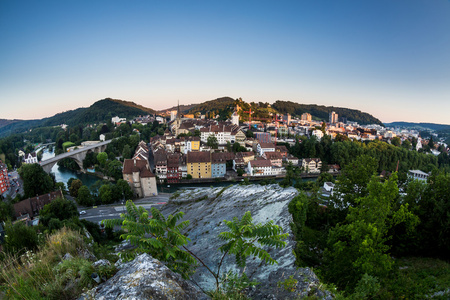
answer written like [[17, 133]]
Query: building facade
[[4, 178], [199, 164]]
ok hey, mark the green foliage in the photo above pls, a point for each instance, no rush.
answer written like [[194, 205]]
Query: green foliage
[[212, 142], [61, 209], [35, 180], [233, 286], [359, 245], [289, 284], [114, 169], [84, 196], [19, 238], [6, 211], [106, 194], [75, 185], [125, 189], [101, 158], [159, 236], [244, 237]]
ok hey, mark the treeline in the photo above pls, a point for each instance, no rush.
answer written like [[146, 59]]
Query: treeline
[[388, 156], [322, 112]]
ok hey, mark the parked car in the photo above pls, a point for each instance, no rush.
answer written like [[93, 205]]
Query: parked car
[[82, 212]]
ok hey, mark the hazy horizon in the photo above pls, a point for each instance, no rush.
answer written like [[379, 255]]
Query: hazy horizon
[[390, 59]]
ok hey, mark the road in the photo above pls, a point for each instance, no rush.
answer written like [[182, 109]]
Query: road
[[103, 212]]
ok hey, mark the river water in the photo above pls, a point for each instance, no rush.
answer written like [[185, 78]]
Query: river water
[[63, 174]]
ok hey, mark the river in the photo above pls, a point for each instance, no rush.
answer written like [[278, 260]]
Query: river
[[63, 174]]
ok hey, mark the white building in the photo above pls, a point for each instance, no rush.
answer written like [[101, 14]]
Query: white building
[[417, 174], [317, 133], [116, 120], [31, 158], [261, 167]]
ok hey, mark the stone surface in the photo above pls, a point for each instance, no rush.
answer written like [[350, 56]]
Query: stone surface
[[206, 208], [145, 278]]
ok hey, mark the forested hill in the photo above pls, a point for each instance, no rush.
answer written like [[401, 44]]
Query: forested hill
[[419, 126], [322, 112], [100, 111], [217, 105]]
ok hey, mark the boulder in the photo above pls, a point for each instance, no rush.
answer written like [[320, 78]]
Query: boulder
[[206, 208], [145, 278]]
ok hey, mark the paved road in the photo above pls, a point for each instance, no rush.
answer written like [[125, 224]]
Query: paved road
[[113, 211]]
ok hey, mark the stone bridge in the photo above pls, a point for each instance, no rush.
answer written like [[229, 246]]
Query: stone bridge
[[77, 155]]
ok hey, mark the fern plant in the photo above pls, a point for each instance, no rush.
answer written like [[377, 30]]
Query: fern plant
[[157, 235]]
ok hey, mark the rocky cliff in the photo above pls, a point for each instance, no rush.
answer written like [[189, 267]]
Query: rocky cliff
[[206, 208]]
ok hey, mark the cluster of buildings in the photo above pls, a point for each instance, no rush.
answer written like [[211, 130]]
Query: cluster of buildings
[[136, 171], [4, 178]]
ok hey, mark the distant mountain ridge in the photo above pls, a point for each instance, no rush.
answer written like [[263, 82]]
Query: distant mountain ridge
[[105, 109], [322, 112], [100, 111], [432, 126]]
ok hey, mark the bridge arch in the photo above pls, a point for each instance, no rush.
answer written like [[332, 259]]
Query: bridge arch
[[77, 155]]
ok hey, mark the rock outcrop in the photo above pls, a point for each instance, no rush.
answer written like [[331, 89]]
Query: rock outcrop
[[206, 208], [145, 278]]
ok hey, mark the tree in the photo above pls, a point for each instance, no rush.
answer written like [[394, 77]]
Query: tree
[[360, 245], [102, 157], [6, 211], [84, 196], [35, 180], [396, 141], [240, 172], [249, 134], [212, 142], [114, 169], [105, 194], [127, 194], [74, 186], [126, 152], [61, 209], [19, 238], [406, 144]]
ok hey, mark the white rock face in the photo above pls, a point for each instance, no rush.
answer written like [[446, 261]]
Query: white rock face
[[206, 208], [145, 278]]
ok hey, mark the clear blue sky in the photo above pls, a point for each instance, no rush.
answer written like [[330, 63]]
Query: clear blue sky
[[390, 58]]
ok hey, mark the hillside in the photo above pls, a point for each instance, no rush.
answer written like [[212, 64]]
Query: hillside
[[322, 112], [213, 105], [419, 126], [100, 111]]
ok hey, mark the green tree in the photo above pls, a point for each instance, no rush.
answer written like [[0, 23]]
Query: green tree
[[249, 134], [353, 181], [74, 187], [360, 245], [406, 144], [114, 169], [125, 188], [212, 142], [126, 152], [6, 211], [105, 194], [19, 238], [102, 157], [396, 141], [84, 196], [61, 209], [35, 180]]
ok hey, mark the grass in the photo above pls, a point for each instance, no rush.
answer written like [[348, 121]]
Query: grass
[[418, 278], [45, 275]]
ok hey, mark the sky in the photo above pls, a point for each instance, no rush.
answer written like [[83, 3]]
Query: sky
[[389, 58]]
